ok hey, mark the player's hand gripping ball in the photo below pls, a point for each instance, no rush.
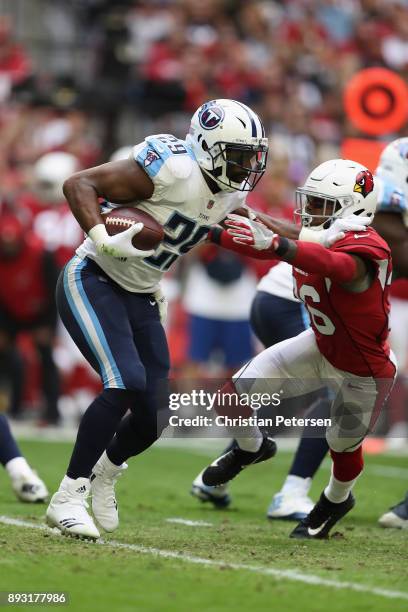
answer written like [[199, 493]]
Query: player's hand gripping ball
[[120, 219]]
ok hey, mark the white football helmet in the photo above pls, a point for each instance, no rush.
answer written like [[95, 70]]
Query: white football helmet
[[50, 172], [393, 165], [228, 140], [337, 188]]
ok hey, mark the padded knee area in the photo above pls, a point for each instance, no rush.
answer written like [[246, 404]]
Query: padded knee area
[[347, 466]]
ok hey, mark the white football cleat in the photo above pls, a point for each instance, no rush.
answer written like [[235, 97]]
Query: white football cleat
[[292, 503], [218, 496], [68, 509], [28, 487], [289, 506], [397, 516], [104, 505]]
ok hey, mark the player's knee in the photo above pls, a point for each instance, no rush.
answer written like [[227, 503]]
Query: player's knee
[[339, 442], [347, 465], [133, 378]]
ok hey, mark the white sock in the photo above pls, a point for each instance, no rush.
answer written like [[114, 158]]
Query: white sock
[[297, 483], [248, 438], [338, 491], [65, 483], [107, 464], [72, 484], [18, 467]]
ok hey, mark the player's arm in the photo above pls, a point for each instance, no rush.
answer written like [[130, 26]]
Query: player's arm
[[278, 226], [343, 268], [119, 182], [286, 229], [391, 227]]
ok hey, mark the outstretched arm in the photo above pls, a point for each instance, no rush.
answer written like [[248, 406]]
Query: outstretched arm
[[310, 257]]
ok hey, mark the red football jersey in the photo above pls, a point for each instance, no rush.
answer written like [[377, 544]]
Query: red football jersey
[[55, 225], [352, 328], [23, 288]]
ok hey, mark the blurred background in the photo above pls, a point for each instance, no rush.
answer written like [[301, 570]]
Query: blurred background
[[81, 80]]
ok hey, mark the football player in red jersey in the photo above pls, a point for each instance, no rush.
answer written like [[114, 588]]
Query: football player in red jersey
[[345, 289]]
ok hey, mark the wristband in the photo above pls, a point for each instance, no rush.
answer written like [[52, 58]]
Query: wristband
[[282, 245], [98, 233], [215, 234]]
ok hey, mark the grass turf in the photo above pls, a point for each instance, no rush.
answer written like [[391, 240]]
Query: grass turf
[[155, 488]]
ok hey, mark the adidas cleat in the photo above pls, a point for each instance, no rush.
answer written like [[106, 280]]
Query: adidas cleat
[[397, 516], [104, 505], [218, 496], [28, 487], [322, 518], [68, 512], [229, 465]]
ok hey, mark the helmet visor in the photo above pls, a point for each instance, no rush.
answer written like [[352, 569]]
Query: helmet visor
[[244, 164], [316, 210]]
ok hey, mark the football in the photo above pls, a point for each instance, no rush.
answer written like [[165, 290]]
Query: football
[[121, 218]]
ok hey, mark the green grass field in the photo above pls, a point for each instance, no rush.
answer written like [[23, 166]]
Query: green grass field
[[204, 570]]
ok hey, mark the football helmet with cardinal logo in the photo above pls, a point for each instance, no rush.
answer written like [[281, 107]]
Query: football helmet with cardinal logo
[[336, 189]]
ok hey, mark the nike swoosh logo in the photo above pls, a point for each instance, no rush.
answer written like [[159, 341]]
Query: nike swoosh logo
[[215, 462], [152, 303], [361, 235], [313, 532]]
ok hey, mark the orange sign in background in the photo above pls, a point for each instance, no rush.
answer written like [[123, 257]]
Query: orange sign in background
[[376, 103]]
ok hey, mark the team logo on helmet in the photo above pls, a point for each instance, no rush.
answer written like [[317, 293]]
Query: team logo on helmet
[[364, 183], [211, 116]]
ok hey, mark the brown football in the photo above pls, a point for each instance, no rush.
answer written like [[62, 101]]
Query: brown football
[[121, 218]]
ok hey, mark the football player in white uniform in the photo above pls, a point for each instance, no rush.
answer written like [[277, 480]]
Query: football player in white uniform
[[392, 223], [109, 297]]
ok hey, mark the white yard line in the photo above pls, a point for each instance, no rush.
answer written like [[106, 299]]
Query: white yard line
[[292, 575], [188, 522]]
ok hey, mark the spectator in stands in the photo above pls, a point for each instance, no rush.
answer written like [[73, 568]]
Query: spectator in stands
[[28, 275]]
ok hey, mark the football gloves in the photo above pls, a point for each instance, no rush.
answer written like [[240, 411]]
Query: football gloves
[[119, 246], [336, 231], [257, 235], [246, 231]]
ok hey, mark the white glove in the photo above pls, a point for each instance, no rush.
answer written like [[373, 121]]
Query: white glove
[[335, 232], [162, 303], [119, 246], [249, 232]]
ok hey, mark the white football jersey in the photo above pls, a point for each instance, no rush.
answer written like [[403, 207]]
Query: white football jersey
[[181, 202], [279, 281]]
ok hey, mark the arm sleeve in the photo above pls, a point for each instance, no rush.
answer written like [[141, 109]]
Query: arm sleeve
[[225, 240], [311, 257]]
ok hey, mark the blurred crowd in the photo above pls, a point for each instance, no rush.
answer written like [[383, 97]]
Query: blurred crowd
[[89, 76]]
